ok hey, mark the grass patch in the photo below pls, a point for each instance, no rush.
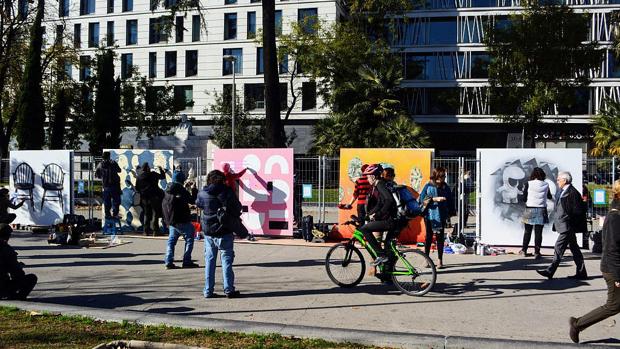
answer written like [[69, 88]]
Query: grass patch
[[19, 329]]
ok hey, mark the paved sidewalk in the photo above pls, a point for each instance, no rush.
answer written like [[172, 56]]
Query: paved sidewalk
[[286, 288]]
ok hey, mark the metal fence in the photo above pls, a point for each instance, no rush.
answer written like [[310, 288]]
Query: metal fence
[[322, 174]]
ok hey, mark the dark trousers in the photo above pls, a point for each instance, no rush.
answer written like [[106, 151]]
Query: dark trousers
[[361, 212], [527, 236], [8, 218], [567, 239], [19, 289], [441, 239], [611, 307], [152, 214], [111, 200], [381, 226]]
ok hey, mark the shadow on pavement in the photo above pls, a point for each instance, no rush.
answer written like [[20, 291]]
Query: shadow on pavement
[[603, 341], [104, 262], [92, 255], [105, 301], [286, 264]]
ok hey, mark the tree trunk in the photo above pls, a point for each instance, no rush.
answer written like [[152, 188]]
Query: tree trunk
[[274, 127], [31, 131]]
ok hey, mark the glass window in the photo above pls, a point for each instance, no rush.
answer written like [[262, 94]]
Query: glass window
[[230, 26], [483, 3], [132, 32], [442, 31], [196, 28], [169, 3], [480, 65], [253, 1], [127, 5], [228, 2], [184, 96], [251, 30], [110, 6], [415, 65], [179, 29], [254, 96], [443, 101], [22, 9], [260, 66], [153, 95], [93, 34], [126, 63], [171, 63], [579, 105], [191, 62], [283, 66], [278, 22], [77, 35], [84, 67], [308, 95], [227, 66], [613, 65], [60, 31], [87, 7], [157, 30], [110, 34], [68, 70], [152, 64], [63, 9], [307, 17]]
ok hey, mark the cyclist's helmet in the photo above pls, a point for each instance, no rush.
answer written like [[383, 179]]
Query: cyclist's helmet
[[374, 169]]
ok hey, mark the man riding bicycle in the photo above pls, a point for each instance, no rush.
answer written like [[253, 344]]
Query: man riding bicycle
[[382, 213]]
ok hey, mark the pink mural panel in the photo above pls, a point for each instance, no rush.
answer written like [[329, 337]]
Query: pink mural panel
[[265, 189]]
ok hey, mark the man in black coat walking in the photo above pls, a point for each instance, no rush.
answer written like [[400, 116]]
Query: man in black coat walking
[[570, 218], [14, 283], [610, 267], [108, 171]]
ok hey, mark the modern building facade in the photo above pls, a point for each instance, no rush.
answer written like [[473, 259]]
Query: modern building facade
[[446, 74], [191, 55]]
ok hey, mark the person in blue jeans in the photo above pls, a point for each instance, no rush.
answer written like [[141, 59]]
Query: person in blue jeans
[[220, 218], [108, 171], [177, 216]]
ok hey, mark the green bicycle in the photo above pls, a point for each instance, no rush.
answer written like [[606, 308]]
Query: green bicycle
[[411, 270]]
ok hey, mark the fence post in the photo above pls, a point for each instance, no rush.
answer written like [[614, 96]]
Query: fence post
[[461, 197], [318, 189], [324, 173], [613, 169]]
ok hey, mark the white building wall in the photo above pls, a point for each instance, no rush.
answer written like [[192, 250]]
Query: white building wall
[[210, 48]]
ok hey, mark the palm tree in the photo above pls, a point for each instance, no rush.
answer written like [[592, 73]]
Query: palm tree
[[403, 132], [606, 127]]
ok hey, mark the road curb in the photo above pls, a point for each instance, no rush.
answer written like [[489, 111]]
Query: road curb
[[378, 338]]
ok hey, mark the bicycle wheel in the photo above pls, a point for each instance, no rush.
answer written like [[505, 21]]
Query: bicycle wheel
[[414, 273], [345, 265]]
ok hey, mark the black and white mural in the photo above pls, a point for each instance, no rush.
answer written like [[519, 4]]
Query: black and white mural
[[502, 179]]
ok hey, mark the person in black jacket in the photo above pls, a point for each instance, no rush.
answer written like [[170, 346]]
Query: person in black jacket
[[610, 267], [147, 184], [570, 218], [381, 213], [108, 171], [177, 216], [14, 283], [220, 218], [5, 204]]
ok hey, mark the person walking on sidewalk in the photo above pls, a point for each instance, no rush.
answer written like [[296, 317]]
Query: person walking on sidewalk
[[221, 211], [108, 171], [535, 195], [147, 184], [570, 218], [610, 267], [14, 283], [177, 216]]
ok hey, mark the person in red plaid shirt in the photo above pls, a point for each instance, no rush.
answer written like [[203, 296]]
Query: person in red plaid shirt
[[360, 193]]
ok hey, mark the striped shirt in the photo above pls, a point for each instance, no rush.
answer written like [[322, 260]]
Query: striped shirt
[[362, 188]]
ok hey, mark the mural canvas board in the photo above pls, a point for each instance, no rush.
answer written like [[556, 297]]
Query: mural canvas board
[[130, 211], [502, 175], [412, 168], [265, 189], [30, 214]]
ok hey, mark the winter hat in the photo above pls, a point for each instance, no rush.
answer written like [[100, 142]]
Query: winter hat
[[178, 177]]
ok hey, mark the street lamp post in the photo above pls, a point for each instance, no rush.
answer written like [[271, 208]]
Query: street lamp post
[[233, 60]]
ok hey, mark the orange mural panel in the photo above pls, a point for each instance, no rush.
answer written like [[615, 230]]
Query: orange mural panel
[[412, 167]]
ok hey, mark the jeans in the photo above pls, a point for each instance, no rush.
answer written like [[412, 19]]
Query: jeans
[[187, 230], [111, 200], [224, 244]]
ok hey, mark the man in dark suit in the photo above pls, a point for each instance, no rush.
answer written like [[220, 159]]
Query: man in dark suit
[[570, 218]]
